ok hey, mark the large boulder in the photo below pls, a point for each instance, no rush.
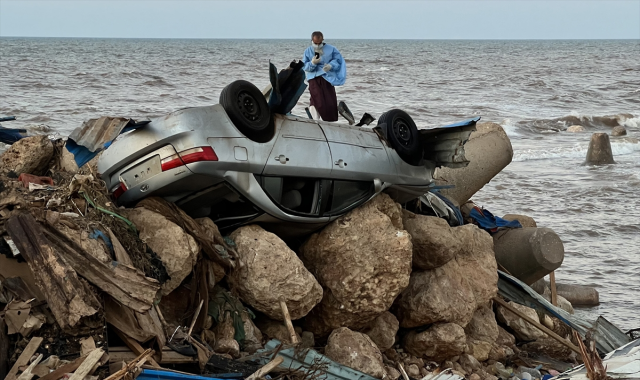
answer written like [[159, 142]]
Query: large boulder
[[549, 347], [523, 330], [383, 330], [439, 342], [483, 325], [269, 271], [437, 295], [28, 155], [435, 243], [177, 250], [452, 292], [363, 261], [355, 350]]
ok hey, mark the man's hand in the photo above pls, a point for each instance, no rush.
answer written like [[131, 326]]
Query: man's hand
[[315, 60], [326, 67]]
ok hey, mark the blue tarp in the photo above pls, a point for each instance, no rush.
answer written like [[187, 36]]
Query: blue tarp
[[10, 135], [153, 374], [490, 223]]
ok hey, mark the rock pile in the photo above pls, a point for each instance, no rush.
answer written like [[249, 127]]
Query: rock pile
[[381, 290]]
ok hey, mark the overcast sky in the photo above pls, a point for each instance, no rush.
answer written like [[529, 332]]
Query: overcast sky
[[271, 19]]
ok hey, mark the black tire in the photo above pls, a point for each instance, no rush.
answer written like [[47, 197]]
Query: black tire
[[403, 136], [248, 110]]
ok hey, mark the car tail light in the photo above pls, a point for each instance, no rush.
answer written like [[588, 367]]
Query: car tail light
[[117, 191], [188, 156]]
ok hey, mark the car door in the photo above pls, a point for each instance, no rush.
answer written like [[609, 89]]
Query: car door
[[301, 150], [357, 153]]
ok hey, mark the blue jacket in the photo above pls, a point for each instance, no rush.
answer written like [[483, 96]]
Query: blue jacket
[[338, 73]]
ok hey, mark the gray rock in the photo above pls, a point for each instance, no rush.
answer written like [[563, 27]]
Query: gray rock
[[575, 128], [274, 330], [355, 350], [523, 330], [363, 261], [29, 155], [439, 342], [452, 292], [618, 131], [505, 338], [177, 250], [392, 373], [269, 271], [413, 371], [383, 330], [469, 363], [483, 325], [434, 242]]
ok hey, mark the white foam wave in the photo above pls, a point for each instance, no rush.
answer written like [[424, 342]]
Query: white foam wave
[[510, 129], [379, 69], [619, 148], [633, 122]]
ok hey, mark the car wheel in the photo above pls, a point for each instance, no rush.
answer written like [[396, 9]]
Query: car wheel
[[402, 135], [248, 110]]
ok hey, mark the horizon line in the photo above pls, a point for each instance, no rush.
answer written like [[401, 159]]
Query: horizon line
[[359, 39]]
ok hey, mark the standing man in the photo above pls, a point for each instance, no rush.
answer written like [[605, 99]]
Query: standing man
[[324, 68]]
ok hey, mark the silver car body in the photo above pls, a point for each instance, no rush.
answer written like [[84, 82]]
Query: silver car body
[[301, 148]]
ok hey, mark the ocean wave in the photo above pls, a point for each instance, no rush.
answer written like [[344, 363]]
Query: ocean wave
[[589, 121], [619, 148]]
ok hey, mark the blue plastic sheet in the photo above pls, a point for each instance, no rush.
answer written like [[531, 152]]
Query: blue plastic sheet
[[490, 223]]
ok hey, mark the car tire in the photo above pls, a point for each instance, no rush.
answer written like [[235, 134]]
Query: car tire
[[402, 135], [248, 110]]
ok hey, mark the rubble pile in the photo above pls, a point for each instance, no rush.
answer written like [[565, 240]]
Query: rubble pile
[[94, 290]]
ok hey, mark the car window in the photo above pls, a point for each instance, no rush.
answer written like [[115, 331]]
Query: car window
[[298, 194], [346, 195]]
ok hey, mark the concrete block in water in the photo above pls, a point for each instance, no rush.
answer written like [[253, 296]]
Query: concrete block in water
[[599, 152], [579, 295], [530, 253], [489, 151]]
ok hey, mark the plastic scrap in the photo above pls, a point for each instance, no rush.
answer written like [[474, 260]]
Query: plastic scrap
[[490, 223], [302, 361]]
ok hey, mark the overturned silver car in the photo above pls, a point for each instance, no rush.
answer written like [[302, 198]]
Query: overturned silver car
[[239, 162]]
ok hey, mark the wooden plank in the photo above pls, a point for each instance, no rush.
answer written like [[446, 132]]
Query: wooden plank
[[58, 281], [4, 349], [87, 366], [132, 367], [135, 346], [266, 369], [554, 292], [24, 358], [27, 374], [287, 322], [67, 368], [537, 324]]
